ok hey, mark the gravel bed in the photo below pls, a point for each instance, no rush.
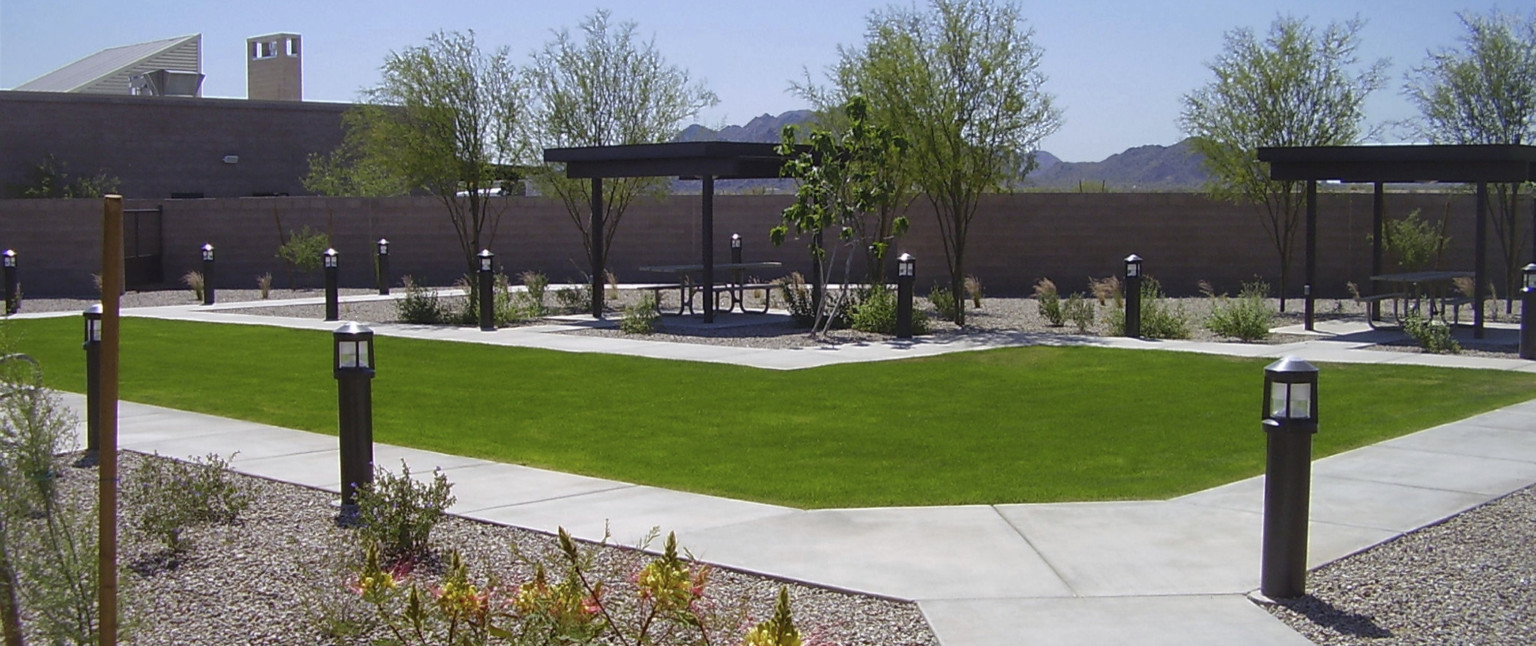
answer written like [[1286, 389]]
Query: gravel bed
[[1468, 580], [280, 574]]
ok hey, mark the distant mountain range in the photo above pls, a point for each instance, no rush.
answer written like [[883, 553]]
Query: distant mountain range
[[1149, 168]]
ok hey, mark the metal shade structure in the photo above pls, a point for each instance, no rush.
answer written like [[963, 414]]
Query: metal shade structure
[[704, 160], [1379, 165]]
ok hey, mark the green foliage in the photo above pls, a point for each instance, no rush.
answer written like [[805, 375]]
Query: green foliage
[[1247, 318], [943, 302], [780, 629], [1159, 318], [1415, 244], [875, 311], [1049, 302], [797, 298], [58, 566], [961, 84], [1079, 310], [605, 87], [303, 250], [577, 298], [641, 316], [397, 513], [534, 286], [1296, 87], [419, 305], [1434, 337], [50, 178], [167, 496]]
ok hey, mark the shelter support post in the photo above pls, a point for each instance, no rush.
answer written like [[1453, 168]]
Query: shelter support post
[[597, 247], [707, 232], [1311, 278], [1480, 289]]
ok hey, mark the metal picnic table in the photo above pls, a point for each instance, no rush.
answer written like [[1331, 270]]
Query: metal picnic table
[[736, 287], [1411, 289]]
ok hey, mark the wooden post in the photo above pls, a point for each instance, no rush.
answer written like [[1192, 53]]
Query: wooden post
[[111, 278]]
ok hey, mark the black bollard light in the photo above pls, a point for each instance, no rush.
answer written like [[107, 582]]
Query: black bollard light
[[332, 300], [1290, 420], [354, 366], [92, 348], [487, 291], [736, 248], [1133, 296], [208, 295], [383, 260], [1527, 312], [906, 274], [12, 284]]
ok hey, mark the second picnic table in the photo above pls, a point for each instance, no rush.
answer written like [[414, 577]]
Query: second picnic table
[[735, 286], [1412, 288]]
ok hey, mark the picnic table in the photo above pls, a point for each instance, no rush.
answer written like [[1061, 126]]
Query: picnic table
[[1409, 291], [734, 287]]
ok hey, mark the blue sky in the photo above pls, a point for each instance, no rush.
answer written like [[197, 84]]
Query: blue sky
[[1117, 67]]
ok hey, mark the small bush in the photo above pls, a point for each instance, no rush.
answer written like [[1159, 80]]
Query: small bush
[[1106, 289], [1158, 319], [1049, 302], [194, 280], [535, 284], [1079, 310], [167, 496], [640, 317], [797, 298], [875, 312], [420, 305], [973, 289], [943, 302], [574, 299], [1433, 337], [1247, 318], [302, 250], [264, 283], [397, 513]]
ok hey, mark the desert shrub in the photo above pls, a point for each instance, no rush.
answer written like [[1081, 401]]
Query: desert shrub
[[194, 280], [419, 305], [797, 298], [943, 302], [264, 284], [534, 284], [875, 312], [167, 496], [1049, 302], [640, 317], [1248, 317], [973, 289], [1159, 320], [301, 251], [1106, 289], [1435, 338], [397, 513], [574, 299], [34, 427], [1079, 310]]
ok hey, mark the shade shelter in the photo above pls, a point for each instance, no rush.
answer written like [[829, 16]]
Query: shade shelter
[[704, 160], [1478, 165]]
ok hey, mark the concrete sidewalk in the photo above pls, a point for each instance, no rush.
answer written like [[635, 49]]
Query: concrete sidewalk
[[1149, 572]]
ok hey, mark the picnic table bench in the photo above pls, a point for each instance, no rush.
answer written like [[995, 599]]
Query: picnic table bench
[[1412, 289], [735, 287]]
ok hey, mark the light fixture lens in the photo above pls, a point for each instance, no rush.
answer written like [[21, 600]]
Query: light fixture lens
[[1290, 401]]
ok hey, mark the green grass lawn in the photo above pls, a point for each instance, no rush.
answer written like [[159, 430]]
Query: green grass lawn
[[1002, 426]]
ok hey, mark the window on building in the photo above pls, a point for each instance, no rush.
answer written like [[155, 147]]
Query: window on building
[[293, 47]]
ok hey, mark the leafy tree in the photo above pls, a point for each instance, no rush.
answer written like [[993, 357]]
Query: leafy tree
[[961, 83], [50, 178], [844, 179], [441, 120], [1296, 87], [605, 88], [1484, 93]]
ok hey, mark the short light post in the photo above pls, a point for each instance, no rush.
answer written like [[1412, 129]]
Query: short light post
[[92, 348], [208, 295], [383, 265], [1133, 296], [736, 248], [12, 284], [1527, 312], [354, 366], [1290, 420], [487, 288], [332, 300], [906, 273]]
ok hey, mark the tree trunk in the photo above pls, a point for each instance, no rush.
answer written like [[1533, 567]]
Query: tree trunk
[[10, 609]]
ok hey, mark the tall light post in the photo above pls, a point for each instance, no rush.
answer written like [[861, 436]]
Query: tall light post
[[353, 363], [12, 284], [906, 274], [487, 291], [383, 265], [1133, 296], [208, 296], [1290, 420], [332, 300]]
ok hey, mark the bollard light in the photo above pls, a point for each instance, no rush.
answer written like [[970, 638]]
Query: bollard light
[[383, 247], [208, 293], [1133, 296], [487, 259], [906, 276], [93, 323], [92, 346], [906, 266], [207, 252], [1289, 421], [332, 297], [382, 266], [8, 259], [736, 241], [329, 258], [353, 366], [1133, 266], [1528, 312], [1528, 273], [487, 289], [12, 284]]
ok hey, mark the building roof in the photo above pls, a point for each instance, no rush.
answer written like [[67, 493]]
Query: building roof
[[81, 73]]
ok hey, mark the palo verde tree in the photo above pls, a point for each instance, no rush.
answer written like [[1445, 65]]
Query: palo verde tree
[[1296, 87], [1484, 93], [605, 87], [845, 184], [443, 121], [961, 84]]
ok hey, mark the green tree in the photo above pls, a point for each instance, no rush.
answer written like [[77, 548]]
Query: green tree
[[844, 180], [961, 83], [50, 178], [442, 120], [605, 87], [1484, 93], [1296, 87]]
